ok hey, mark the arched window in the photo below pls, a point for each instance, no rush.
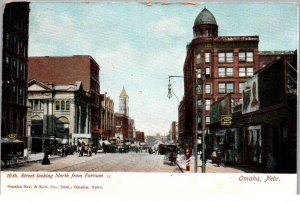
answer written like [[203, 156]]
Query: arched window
[[62, 125]]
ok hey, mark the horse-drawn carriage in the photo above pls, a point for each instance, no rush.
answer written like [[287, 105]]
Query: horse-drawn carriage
[[170, 154], [86, 150]]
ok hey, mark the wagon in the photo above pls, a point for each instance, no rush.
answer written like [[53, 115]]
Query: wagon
[[170, 154]]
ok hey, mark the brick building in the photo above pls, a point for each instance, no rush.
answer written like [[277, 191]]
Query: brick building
[[224, 62], [124, 125], [67, 70], [263, 131], [181, 116], [14, 70], [174, 132], [140, 136], [107, 117]]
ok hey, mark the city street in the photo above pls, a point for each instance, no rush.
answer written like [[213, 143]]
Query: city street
[[120, 162], [109, 162]]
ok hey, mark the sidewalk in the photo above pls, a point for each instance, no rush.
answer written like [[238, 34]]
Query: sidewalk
[[39, 157], [210, 168]]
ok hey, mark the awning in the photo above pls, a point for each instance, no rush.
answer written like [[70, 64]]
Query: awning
[[220, 133], [81, 135], [8, 141], [106, 142]]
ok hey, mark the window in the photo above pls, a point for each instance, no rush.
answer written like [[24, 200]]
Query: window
[[241, 87], [207, 71], [225, 57], [222, 71], [199, 89], [199, 103], [198, 73], [7, 68], [67, 105], [226, 87], [207, 88], [207, 104], [57, 105], [229, 57], [198, 58], [37, 105], [207, 57], [62, 105], [246, 56], [221, 57], [207, 119], [225, 71], [245, 71]]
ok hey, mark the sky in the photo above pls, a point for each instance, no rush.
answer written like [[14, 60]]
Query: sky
[[139, 46]]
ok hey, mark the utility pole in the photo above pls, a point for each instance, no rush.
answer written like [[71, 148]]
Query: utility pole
[[196, 114], [196, 124], [203, 120]]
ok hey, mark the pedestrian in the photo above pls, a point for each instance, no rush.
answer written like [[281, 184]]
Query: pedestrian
[[46, 160]]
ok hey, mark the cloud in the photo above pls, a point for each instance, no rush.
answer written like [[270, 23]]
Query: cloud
[[167, 28]]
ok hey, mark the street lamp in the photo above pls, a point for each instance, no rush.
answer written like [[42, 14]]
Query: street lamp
[[203, 120], [196, 115]]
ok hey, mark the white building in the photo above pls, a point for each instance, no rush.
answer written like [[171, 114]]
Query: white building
[[58, 114]]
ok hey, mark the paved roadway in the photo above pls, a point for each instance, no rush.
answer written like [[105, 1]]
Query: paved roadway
[[109, 162]]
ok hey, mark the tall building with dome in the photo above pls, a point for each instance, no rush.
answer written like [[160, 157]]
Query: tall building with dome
[[225, 61]]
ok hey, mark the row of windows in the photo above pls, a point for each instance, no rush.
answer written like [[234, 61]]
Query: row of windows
[[226, 57], [14, 68], [37, 105], [207, 104], [17, 20], [62, 105], [15, 44], [223, 87], [228, 72], [13, 93], [207, 120]]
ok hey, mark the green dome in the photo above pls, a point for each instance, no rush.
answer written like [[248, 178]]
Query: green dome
[[205, 17]]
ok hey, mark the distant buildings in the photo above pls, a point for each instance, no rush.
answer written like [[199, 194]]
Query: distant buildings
[[124, 125], [140, 136], [14, 71], [107, 126], [173, 132]]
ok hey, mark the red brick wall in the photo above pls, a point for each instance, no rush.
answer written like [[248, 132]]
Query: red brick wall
[[140, 136]]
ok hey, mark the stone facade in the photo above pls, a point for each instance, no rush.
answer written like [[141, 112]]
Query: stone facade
[[57, 112]]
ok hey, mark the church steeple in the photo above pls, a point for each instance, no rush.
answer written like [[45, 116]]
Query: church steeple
[[124, 102]]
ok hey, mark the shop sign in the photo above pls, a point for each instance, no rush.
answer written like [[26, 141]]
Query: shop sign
[[226, 120], [12, 136]]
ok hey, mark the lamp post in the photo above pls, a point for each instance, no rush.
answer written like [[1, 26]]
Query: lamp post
[[203, 120], [196, 115]]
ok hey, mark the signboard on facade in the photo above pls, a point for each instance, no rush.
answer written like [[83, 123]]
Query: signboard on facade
[[250, 96], [226, 120], [220, 108]]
